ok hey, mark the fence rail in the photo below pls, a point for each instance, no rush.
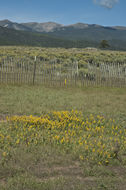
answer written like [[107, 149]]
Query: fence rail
[[51, 73]]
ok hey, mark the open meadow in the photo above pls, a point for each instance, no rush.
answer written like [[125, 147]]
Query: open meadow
[[82, 55], [62, 137], [75, 138]]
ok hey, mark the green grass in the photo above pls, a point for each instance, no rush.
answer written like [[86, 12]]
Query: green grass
[[36, 100], [47, 167]]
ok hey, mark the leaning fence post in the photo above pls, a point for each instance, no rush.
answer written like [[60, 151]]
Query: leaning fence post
[[34, 71]]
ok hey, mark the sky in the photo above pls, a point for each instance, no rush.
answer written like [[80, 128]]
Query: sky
[[102, 12]]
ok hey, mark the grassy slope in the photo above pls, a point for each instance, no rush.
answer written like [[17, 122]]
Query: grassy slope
[[116, 38], [25, 38], [47, 167], [69, 39]]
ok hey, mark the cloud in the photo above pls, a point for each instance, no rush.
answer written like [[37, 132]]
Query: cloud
[[106, 3]]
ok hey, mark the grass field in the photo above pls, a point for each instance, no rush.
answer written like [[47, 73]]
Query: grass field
[[37, 100], [47, 161]]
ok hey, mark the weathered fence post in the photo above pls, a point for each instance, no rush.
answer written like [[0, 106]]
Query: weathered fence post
[[34, 71]]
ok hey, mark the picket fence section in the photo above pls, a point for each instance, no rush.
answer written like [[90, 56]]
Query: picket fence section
[[51, 73]]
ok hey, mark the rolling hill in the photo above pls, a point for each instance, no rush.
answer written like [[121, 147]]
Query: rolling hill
[[52, 34], [25, 38]]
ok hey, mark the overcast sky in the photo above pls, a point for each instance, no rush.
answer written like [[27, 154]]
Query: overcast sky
[[103, 12]]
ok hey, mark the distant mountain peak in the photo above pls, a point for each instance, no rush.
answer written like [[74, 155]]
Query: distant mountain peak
[[79, 25], [50, 27], [42, 27], [12, 25], [57, 35], [5, 20], [119, 27], [51, 23]]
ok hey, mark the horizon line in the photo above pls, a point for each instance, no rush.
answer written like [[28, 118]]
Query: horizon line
[[63, 24]]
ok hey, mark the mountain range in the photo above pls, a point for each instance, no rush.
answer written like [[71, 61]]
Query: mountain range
[[78, 35]]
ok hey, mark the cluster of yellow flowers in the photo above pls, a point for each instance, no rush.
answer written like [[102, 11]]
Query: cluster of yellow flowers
[[94, 138]]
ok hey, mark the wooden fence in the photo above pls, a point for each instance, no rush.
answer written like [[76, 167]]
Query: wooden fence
[[51, 73]]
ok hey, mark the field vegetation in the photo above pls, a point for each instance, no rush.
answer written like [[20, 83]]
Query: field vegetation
[[62, 138], [81, 55], [92, 62]]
